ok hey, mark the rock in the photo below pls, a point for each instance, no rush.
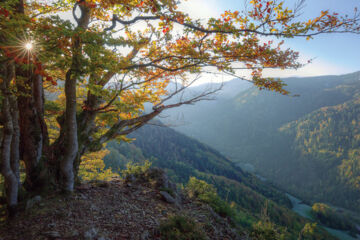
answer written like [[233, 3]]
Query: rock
[[103, 184], [158, 177], [84, 187], [145, 235], [52, 234], [93, 207], [358, 227], [82, 196], [102, 238], [130, 178], [51, 225], [72, 233], [91, 234], [167, 197], [31, 202], [172, 186]]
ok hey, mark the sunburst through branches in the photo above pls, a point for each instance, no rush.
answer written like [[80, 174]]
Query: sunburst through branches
[[21, 50]]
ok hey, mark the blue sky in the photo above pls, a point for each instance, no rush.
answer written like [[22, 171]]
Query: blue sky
[[333, 53]]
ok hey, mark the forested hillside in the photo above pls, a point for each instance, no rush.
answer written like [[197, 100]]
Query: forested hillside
[[329, 139], [306, 143], [183, 157]]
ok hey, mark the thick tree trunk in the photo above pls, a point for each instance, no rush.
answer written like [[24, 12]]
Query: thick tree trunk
[[30, 133], [70, 126], [33, 130], [15, 143], [71, 140], [11, 180], [9, 162]]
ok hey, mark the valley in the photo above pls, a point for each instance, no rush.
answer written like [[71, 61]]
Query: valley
[[305, 144]]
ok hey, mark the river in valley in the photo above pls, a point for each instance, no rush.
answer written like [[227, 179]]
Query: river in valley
[[304, 210], [301, 208]]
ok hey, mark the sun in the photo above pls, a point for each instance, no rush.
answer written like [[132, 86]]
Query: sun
[[29, 46]]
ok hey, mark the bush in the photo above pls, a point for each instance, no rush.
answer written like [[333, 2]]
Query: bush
[[266, 230], [136, 169], [206, 193], [92, 167], [181, 228], [198, 188], [329, 217]]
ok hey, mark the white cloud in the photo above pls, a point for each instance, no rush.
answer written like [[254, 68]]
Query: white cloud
[[201, 9]]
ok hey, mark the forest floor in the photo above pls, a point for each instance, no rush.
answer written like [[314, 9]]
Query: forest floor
[[110, 210]]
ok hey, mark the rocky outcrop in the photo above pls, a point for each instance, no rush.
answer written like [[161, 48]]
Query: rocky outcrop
[[115, 212], [157, 179]]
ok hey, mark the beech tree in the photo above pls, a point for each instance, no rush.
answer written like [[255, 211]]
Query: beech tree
[[69, 86]]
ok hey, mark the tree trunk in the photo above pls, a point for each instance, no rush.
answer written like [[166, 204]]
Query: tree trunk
[[71, 140], [15, 143], [71, 129], [33, 130], [11, 181]]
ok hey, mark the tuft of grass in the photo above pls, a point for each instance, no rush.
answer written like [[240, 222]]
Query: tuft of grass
[[206, 193], [181, 228]]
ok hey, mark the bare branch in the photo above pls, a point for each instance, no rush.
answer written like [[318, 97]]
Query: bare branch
[[330, 29], [123, 22], [77, 19]]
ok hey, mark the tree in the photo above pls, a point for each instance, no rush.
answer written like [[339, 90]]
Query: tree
[[111, 61], [92, 167]]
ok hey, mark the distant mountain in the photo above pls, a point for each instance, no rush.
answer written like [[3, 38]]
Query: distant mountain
[[184, 115], [271, 132], [184, 157], [229, 89], [174, 150]]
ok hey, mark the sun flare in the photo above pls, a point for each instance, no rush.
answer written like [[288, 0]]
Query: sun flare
[[29, 46]]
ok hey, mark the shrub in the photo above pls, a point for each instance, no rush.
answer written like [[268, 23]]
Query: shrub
[[266, 230], [135, 169], [329, 217], [92, 167], [206, 193], [181, 228], [198, 188]]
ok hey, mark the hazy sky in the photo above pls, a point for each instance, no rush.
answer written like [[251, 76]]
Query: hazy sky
[[333, 53]]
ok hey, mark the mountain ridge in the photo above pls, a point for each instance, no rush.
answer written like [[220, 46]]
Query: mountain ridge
[[246, 127]]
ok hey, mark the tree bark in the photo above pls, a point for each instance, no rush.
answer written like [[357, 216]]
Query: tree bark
[[71, 129], [71, 140], [33, 129], [15, 143], [11, 181]]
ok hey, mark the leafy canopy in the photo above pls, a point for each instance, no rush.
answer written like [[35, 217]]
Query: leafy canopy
[[128, 51]]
